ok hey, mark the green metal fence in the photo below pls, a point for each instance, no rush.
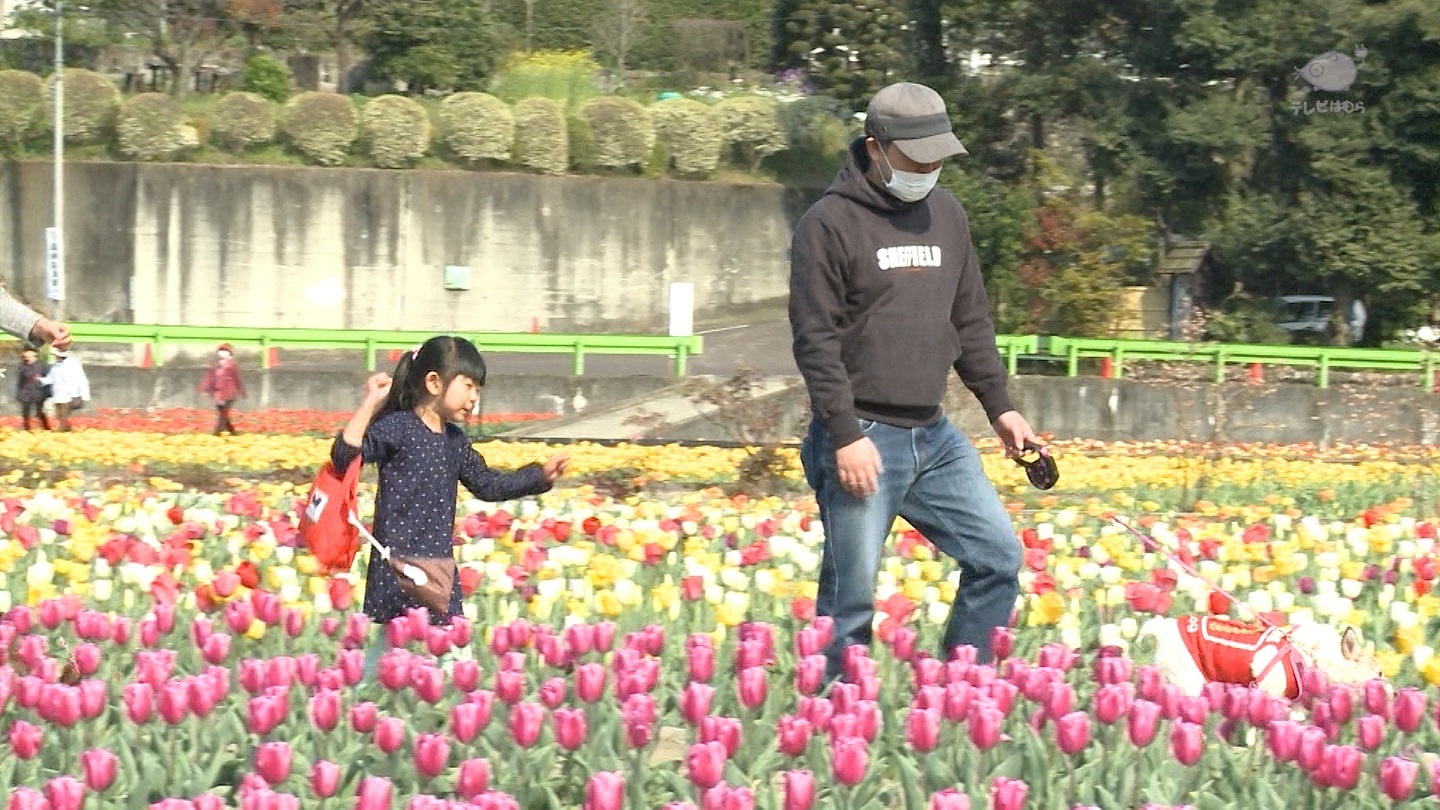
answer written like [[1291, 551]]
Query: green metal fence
[[679, 349]]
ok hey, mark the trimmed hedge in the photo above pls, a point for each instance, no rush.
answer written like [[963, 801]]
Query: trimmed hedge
[[22, 103], [323, 126], [542, 140], [752, 129], [477, 127], [91, 101], [151, 126], [612, 133], [397, 131], [242, 120], [690, 133]]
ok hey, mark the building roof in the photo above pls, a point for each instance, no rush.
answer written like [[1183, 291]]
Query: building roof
[[1184, 257]]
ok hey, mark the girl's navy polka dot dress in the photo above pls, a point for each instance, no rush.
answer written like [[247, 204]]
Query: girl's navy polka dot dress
[[415, 506]]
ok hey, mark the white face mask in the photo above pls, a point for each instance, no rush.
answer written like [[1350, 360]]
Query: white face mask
[[224, 355], [909, 186]]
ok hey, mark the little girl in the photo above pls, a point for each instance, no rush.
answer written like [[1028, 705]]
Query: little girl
[[408, 427]]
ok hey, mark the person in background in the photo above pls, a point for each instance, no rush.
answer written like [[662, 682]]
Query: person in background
[[25, 323], [69, 387], [222, 382], [30, 392]]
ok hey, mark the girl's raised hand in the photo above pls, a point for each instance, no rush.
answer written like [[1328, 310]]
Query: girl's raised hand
[[377, 387], [555, 467]]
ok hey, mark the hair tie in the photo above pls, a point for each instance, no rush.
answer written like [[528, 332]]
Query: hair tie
[[415, 353]]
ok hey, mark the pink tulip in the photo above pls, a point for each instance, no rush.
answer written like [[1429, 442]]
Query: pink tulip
[[1342, 704], [638, 713], [1409, 709], [473, 779], [209, 801], [525, 723], [1142, 721], [428, 682], [1072, 732], [324, 778], [466, 721], [928, 671], [272, 762], [1002, 643], [902, 644], [724, 729], [325, 709], [922, 728], [552, 692], [174, 702], [1008, 794], [705, 764], [590, 682], [1311, 750], [139, 700], [580, 638], [604, 636], [1112, 701], [571, 728], [868, 713], [1370, 730], [958, 696], [1111, 670], [374, 794], [87, 659], [363, 717], [818, 711], [1187, 742], [100, 766], [1057, 656], [26, 739], [799, 790], [461, 631], [466, 676], [394, 670], [605, 790], [807, 642], [389, 734], [60, 704], [1341, 765], [949, 799], [849, 760], [1435, 777], [723, 797], [1397, 777], [754, 685], [1002, 692], [794, 735], [510, 686], [701, 663], [28, 799], [1377, 697], [437, 640], [65, 793], [984, 725], [695, 702], [1059, 699], [432, 754]]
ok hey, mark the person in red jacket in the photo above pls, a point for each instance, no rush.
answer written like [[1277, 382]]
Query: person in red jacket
[[222, 383]]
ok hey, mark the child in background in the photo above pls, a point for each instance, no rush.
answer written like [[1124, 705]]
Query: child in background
[[223, 384], [30, 392], [408, 427]]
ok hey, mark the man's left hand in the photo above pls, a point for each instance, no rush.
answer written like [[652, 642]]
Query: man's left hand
[[1014, 433], [52, 332]]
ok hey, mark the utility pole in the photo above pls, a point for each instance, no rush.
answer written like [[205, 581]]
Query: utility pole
[[55, 236]]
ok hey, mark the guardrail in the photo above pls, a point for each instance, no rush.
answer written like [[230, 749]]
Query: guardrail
[[372, 342], [1321, 358]]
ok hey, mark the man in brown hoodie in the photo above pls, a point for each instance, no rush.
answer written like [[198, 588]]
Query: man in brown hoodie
[[886, 297]]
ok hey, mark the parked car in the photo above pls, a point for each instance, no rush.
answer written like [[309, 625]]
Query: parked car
[[1311, 314]]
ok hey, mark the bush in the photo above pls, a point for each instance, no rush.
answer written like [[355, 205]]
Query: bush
[[322, 126], [691, 135], [397, 131], [22, 102], [151, 126], [477, 126], [541, 139], [615, 133], [568, 77], [241, 120], [91, 101], [267, 77], [751, 128]]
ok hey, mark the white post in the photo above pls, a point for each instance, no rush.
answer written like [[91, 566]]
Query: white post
[[57, 253], [682, 308]]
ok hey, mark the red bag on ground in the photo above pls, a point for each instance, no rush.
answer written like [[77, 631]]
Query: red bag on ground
[[329, 522]]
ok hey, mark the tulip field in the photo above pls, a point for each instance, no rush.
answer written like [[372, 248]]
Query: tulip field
[[166, 643]]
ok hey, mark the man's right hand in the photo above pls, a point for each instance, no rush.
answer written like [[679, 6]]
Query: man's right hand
[[858, 464]]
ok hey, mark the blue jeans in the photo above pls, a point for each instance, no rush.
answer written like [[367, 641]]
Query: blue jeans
[[932, 477]]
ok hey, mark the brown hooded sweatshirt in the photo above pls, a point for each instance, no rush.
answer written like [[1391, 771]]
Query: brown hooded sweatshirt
[[885, 298]]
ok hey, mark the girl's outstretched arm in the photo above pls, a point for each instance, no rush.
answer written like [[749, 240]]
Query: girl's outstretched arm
[[489, 484]]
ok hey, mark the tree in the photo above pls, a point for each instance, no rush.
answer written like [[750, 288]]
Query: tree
[[849, 49], [183, 34], [337, 25], [616, 28], [433, 44]]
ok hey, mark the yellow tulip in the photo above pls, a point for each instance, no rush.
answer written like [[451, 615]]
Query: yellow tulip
[[256, 630], [1430, 672]]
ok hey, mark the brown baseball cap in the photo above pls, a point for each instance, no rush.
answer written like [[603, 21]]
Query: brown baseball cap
[[914, 117]]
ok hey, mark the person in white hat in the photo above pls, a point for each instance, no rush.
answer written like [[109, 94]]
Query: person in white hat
[[886, 298], [69, 387]]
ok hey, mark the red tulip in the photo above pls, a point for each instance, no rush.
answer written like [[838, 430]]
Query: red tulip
[[525, 723], [389, 734], [374, 794], [432, 754], [466, 721], [473, 779], [949, 799], [849, 759], [753, 687], [325, 709], [65, 793], [605, 791], [1409, 709], [1397, 777], [272, 762], [794, 735], [1145, 597], [100, 766], [1008, 794], [571, 728], [1072, 732], [28, 799], [26, 739], [724, 729], [984, 725], [705, 764], [1142, 722], [799, 790], [324, 778], [1370, 730], [922, 728], [363, 717]]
